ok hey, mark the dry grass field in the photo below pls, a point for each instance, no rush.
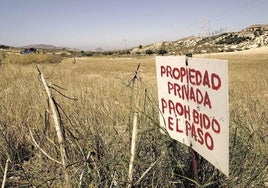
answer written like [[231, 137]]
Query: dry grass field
[[97, 124]]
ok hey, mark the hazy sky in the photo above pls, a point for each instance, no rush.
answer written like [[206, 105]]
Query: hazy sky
[[119, 24]]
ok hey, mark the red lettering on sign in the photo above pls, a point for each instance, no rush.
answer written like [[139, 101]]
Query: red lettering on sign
[[174, 122], [163, 105], [198, 78], [176, 109], [216, 126], [169, 71], [189, 86], [176, 73], [187, 128], [199, 135], [207, 100], [209, 141], [206, 80], [189, 93], [170, 123], [215, 81], [184, 73], [205, 122], [162, 71], [174, 88], [192, 76]]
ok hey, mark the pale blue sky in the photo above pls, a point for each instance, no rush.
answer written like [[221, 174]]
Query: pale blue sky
[[119, 24]]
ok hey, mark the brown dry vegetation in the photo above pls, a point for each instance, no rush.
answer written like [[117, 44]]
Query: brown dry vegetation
[[97, 126]]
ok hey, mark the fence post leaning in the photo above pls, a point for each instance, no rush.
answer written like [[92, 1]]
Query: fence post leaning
[[55, 115], [134, 127]]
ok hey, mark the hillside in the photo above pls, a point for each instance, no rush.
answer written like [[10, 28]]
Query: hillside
[[249, 38]]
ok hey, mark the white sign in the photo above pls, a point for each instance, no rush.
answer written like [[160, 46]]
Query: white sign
[[193, 103]]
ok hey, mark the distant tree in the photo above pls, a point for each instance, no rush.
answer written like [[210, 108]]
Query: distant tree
[[4, 47], [162, 51], [90, 53], [148, 52], [140, 46], [33, 50], [123, 52], [108, 53]]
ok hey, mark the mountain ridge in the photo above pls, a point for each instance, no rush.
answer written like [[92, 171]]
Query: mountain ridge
[[49, 47]]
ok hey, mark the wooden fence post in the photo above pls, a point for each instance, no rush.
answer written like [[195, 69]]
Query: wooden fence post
[[55, 115], [134, 127]]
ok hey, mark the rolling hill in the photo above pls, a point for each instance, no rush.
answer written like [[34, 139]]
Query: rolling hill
[[249, 38], [49, 47]]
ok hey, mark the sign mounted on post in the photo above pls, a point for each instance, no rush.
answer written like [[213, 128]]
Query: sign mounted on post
[[193, 103]]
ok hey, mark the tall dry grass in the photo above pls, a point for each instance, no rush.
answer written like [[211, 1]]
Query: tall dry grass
[[97, 126]]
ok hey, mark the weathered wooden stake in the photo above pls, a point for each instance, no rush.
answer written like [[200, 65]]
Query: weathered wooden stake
[[5, 174], [134, 128], [133, 148], [58, 129]]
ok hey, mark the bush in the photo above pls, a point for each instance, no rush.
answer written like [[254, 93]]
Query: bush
[[124, 52], [233, 39], [257, 33], [108, 53], [4, 47], [149, 52], [162, 52], [88, 54]]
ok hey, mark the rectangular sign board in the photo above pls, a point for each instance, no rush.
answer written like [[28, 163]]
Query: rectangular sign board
[[193, 103]]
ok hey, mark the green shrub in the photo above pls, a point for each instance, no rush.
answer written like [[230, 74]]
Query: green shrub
[[149, 52], [162, 52], [233, 39], [108, 53]]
